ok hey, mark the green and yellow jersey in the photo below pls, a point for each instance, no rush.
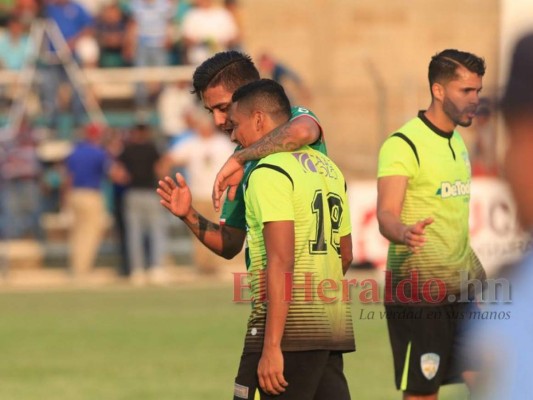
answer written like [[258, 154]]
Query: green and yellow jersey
[[438, 170], [306, 187], [233, 212]]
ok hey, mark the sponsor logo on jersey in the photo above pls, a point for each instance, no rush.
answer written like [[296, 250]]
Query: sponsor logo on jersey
[[315, 163], [453, 189], [429, 363]]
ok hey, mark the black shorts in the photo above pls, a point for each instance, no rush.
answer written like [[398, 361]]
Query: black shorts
[[429, 346], [311, 375]]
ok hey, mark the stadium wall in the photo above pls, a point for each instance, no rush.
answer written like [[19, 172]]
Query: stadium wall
[[365, 61]]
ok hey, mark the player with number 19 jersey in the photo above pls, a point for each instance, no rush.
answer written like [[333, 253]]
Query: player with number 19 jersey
[[233, 212], [306, 187]]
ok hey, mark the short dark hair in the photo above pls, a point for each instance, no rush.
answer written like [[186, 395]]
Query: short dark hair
[[230, 69], [443, 65], [265, 95]]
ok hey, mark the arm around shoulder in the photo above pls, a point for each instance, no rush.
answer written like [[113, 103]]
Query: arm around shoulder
[[289, 136], [302, 131]]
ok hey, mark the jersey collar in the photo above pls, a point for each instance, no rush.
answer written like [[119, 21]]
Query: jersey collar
[[440, 132]]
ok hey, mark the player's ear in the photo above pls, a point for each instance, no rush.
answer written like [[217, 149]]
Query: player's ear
[[437, 90], [259, 120]]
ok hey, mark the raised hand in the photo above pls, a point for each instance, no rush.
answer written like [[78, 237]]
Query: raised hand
[[413, 236], [175, 195], [230, 175]]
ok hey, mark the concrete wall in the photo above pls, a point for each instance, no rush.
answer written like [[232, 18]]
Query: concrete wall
[[365, 61]]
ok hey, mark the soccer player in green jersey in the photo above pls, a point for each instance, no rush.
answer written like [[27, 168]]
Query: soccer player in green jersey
[[299, 237], [214, 82], [423, 209]]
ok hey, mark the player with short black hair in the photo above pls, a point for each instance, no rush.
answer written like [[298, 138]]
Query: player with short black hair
[[298, 226], [264, 94], [230, 69], [214, 81], [423, 209], [443, 66]]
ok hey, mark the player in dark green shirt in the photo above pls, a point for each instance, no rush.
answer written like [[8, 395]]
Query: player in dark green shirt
[[214, 82]]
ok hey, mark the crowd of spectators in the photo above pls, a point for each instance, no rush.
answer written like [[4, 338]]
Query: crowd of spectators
[[107, 34], [104, 183], [102, 179], [115, 33]]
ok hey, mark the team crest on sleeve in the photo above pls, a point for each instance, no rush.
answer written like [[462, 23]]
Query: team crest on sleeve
[[466, 159], [429, 363]]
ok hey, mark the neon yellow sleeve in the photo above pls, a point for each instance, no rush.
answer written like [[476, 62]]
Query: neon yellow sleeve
[[270, 196], [396, 157]]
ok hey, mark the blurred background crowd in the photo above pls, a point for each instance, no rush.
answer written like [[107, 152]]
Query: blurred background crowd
[[96, 107], [109, 81], [80, 158]]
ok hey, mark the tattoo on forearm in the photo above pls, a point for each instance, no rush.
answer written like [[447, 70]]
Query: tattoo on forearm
[[205, 226], [276, 141], [200, 226]]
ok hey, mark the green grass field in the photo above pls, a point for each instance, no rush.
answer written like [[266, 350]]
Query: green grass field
[[173, 343]]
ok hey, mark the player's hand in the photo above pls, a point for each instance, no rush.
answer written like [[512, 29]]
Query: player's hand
[[270, 371], [414, 235], [230, 175], [175, 196]]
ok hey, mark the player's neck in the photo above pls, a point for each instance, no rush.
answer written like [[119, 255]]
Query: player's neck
[[438, 118]]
